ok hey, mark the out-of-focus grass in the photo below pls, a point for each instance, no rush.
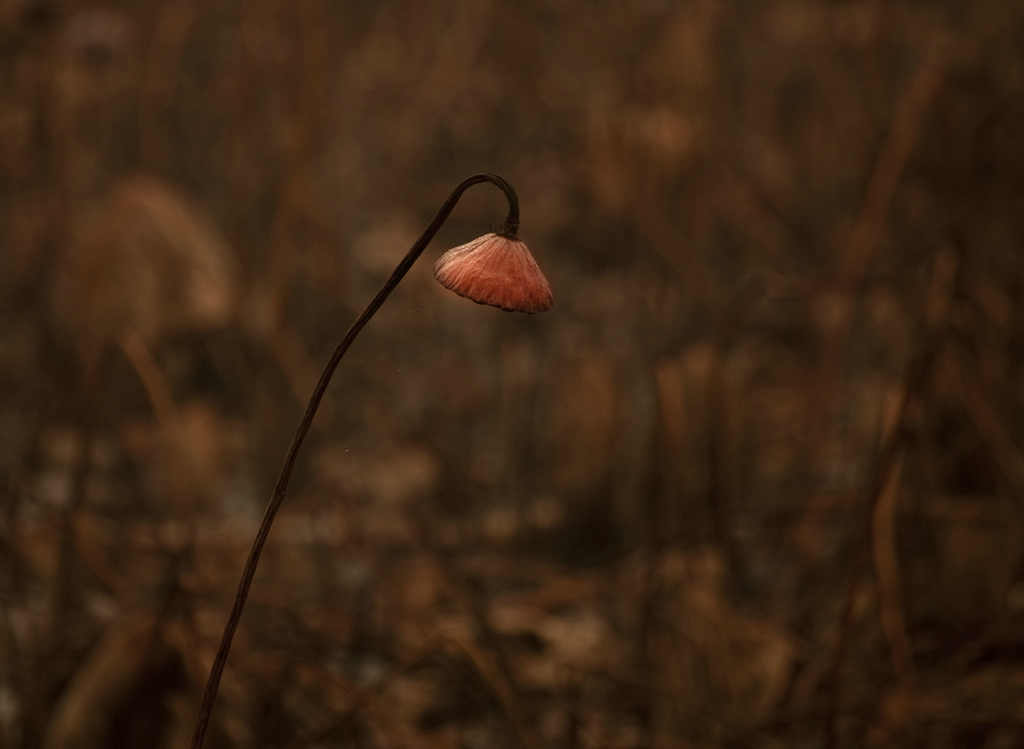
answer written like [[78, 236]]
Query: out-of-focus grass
[[755, 480]]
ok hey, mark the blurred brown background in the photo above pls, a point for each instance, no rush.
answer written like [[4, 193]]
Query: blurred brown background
[[755, 481]]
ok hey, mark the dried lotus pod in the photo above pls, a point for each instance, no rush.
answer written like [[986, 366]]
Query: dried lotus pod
[[143, 260], [497, 270]]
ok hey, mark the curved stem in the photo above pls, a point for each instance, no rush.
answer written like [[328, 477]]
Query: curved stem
[[281, 488]]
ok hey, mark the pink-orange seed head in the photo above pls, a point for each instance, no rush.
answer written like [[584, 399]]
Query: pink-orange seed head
[[496, 270]]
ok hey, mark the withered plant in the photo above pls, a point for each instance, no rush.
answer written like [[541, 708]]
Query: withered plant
[[496, 269]]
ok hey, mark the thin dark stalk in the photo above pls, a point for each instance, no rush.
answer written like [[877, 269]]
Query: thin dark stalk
[[918, 376], [280, 489]]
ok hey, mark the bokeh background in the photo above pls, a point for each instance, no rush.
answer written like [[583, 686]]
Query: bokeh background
[[755, 481]]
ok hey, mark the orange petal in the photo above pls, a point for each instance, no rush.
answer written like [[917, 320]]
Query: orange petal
[[495, 270]]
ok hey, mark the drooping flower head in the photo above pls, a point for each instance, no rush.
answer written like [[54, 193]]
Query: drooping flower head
[[497, 270]]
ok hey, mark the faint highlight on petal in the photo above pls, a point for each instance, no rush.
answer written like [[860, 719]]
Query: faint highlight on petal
[[495, 270]]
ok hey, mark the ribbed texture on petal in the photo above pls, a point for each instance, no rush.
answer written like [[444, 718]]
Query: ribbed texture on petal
[[498, 271]]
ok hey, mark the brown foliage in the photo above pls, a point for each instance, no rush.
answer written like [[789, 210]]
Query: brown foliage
[[755, 480]]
